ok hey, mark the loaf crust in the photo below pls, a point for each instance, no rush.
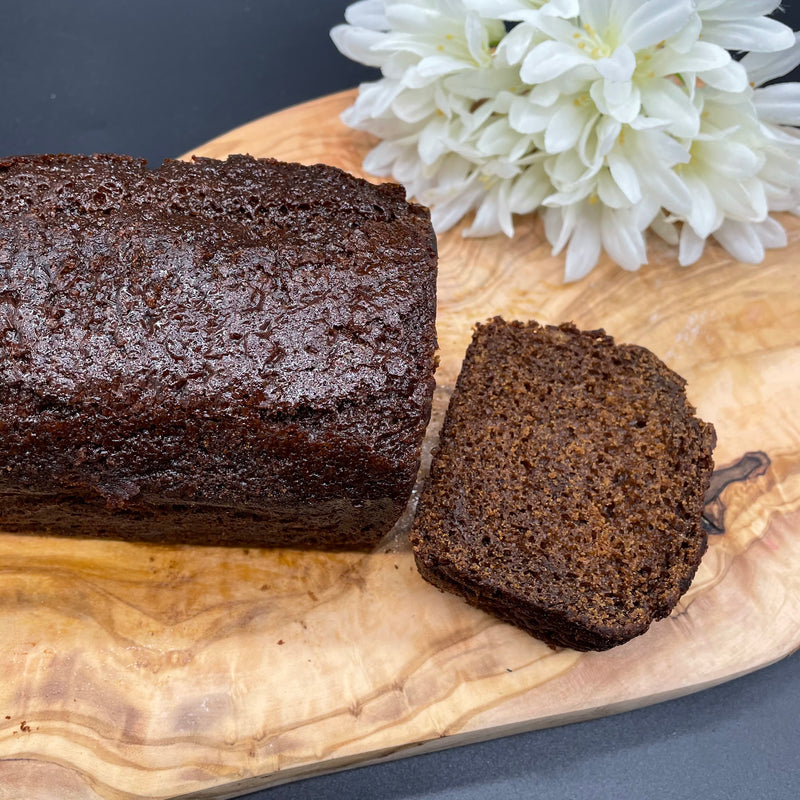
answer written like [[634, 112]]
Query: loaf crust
[[567, 489], [236, 352]]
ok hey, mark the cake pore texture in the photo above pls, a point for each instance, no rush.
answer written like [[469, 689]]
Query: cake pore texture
[[567, 489]]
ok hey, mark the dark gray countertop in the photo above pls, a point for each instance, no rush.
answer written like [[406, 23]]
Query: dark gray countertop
[[154, 78]]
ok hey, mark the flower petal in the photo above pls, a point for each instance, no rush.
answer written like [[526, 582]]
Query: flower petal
[[609, 192], [584, 248], [550, 59], [357, 44], [659, 146], [780, 167], [667, 101], [566, 9], [758, 34], [446, 213], [529, 190], [730, 78], [411, 18], [516, 43], [691, 246], [373, 99], [414, 106], [704, 216], [622, 100], [701, 56], [665, 229], [730, 159], [779, 103], [558, 226], [565, 127], [595, 14], [566, 170], [743, 199], [655, 20], [736, 9], [397, 63], [619, 66], [763, 67], [435, 66], [497, 138], [477, 38], [645, 212], [625, 176], [771, 233], [491, 217], [545, 94], [571, 196], [670, 190], [379, 160], [598, 140], [588, 148], [683, 41], [526, 117], [367, 14], [741, 241], [622, 240], [433, 140]]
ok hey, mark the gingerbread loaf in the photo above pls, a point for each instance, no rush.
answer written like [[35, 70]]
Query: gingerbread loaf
[[237, 352], [567, 489]]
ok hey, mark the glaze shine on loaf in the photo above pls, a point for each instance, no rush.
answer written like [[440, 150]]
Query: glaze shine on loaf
[[237, 352]]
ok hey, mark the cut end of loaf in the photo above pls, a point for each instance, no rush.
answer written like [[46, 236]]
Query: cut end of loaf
[[567, 490]]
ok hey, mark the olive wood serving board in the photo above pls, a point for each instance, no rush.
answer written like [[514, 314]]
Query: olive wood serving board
[[153, 672]]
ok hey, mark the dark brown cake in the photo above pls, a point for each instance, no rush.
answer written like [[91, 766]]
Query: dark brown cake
[[567, 490], [234, 352]]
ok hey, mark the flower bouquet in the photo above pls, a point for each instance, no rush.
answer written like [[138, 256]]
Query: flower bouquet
[[610, 118]]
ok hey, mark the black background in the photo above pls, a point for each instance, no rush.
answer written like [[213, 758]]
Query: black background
[[156, 78]]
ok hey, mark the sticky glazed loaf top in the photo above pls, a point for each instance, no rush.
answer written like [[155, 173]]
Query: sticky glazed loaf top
[[210, 284], [267, 328]]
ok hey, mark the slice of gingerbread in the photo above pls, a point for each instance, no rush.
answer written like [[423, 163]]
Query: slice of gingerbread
[[567, 489]]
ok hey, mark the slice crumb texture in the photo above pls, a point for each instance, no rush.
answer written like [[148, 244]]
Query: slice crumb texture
[[567, 490]]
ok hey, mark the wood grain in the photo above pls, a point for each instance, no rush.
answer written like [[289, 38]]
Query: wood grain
[[152, 672]]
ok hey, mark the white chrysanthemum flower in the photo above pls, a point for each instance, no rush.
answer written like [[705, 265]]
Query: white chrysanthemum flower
[[433, 106], [608, 116], [745, 163]]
